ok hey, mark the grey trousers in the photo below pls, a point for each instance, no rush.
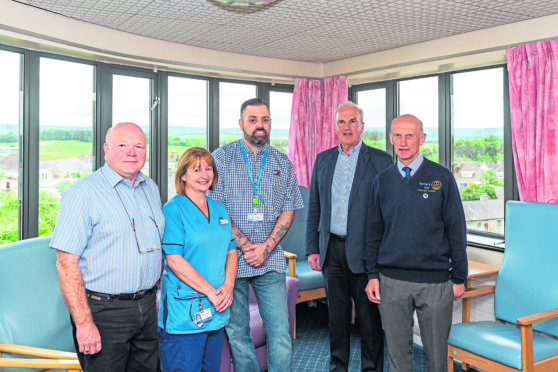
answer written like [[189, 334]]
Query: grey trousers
[[433, 303]]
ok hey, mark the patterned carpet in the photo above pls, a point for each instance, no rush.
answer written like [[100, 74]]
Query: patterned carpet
[[311, 346]]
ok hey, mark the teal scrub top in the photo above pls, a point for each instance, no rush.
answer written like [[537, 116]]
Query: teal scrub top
[[204, 243]]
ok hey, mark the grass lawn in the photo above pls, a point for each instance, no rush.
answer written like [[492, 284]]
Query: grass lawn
[[59, 150]]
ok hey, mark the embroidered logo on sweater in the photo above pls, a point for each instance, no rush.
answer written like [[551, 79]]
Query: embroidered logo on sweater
[[430, 187]]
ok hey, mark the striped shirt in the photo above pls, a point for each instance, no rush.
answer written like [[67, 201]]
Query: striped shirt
[[96, 221], [279, 192], [341, 188]]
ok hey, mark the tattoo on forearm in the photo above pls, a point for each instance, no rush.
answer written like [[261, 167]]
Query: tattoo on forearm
[[267, 251], [244, 244], [282, 230]]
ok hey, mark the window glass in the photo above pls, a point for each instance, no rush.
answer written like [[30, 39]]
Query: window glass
[[478, 146], [419, 97], [231, 96], [373, 105], [280, 104], [187, 121], [10, 103], [66, 119], [131, 102]]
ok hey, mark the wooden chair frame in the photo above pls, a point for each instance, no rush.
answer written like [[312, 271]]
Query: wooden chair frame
[[303, 296], [526, 327], [47, 359]]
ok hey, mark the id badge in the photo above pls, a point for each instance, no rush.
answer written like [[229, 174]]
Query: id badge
[[203, 317], [255, 217]]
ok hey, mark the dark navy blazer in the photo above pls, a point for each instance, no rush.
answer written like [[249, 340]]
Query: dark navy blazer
[[370, 162]]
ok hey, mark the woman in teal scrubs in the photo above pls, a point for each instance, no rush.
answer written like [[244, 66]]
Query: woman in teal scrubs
[[200, 268]]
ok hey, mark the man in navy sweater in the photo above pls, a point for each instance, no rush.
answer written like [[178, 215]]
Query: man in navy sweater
[[415, 249]]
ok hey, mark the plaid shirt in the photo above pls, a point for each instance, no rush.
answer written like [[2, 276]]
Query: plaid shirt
[[279, 192]]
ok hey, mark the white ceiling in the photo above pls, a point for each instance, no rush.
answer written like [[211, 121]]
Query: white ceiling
[[300, 30]]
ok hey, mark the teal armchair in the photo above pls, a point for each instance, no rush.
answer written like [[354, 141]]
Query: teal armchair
[[524, 336], [35, 329], [294, 245]]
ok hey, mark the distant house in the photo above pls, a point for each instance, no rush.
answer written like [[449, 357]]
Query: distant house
[[485, 215]]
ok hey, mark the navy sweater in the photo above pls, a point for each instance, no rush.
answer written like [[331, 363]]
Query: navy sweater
[[416, 229]]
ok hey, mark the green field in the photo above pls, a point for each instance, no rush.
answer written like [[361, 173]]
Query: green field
[[59, 150]]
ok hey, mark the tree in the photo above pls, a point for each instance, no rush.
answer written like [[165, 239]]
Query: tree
[[474, 192], [8, 217]]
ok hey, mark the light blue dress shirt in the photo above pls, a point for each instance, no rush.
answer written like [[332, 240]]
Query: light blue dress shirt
[[96, 221], [341, 189]]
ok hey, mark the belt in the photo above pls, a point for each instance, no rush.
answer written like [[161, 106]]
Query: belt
[[98, 296], [341, 238]]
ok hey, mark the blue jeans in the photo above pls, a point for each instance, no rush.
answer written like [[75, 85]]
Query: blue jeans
[[271, 292]]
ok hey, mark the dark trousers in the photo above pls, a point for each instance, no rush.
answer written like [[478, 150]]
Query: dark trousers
[[341, 284], [129, 336]]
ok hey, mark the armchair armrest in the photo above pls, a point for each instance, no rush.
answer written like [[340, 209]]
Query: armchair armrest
[[292, 263], [50, 359], [538, 317], [36, 352], [477, 291], [65, 364]]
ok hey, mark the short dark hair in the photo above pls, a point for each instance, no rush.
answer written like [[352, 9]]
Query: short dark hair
[[252, 102]]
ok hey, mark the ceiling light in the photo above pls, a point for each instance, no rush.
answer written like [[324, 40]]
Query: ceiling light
[[246, 2]]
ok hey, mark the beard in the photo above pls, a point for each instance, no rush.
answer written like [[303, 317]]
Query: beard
[[257, 141]]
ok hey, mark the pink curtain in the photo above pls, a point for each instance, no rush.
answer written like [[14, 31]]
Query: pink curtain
[[312, 121], [533, 79]]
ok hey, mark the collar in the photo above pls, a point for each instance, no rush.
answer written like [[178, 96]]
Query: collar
[[114, 178], [414, 165], [354, 151], [249, 150]]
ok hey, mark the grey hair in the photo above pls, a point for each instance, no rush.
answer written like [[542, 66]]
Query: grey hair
[[349, 104]]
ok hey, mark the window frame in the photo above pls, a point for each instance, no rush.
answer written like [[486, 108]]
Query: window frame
[[476, 238]]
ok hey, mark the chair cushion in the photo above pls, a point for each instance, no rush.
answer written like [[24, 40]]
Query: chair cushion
[[499, 342], [256, 326], [309, 279]]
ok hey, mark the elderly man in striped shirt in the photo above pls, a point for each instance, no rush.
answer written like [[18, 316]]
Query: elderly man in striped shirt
[[108, 242]]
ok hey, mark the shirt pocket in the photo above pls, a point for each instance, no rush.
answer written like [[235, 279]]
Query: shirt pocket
[[277, 193]]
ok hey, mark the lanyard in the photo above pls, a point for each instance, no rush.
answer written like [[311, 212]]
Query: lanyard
[[256, 185]]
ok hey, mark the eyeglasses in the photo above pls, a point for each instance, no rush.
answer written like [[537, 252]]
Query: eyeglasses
[[150, 247], [143, 250]]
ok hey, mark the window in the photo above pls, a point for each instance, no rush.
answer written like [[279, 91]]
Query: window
[[470, 137], [478, 146], [231, 96], [280, 104], [187, 120], [131, 102], [10, 102], [66, 119], [373, 105], [419, 97]]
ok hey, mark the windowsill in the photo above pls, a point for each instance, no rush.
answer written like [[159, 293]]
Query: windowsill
[[485, 242]]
